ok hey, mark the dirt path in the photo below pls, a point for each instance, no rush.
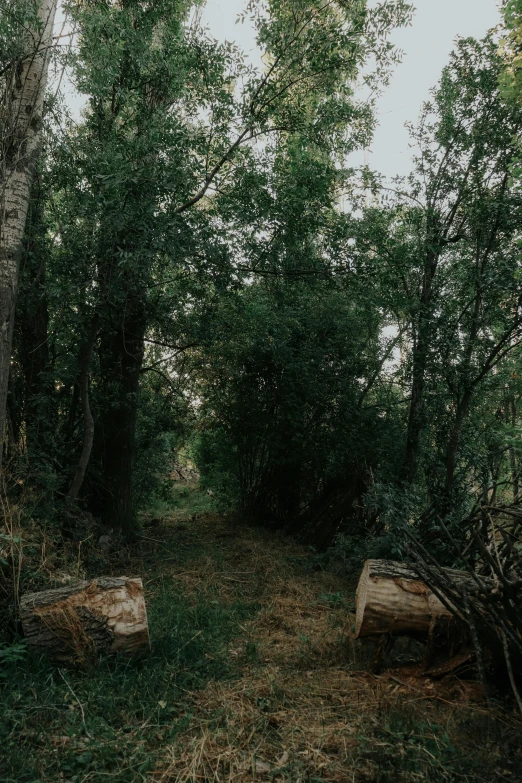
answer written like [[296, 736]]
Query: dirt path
[[302, 705], [252, 676]]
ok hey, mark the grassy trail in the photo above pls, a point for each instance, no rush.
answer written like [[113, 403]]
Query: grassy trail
[[252, 676]]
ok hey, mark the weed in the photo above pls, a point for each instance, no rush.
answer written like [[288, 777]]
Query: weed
[[11, 654], [188, 498], [252, 651], [405, 746]]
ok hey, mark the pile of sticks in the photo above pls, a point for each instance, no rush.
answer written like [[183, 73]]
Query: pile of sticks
[[490, 604]]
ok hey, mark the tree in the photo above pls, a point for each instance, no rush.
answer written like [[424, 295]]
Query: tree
[[455, 225], [163, 132], [27, 35], [291, 383], [511, 51]]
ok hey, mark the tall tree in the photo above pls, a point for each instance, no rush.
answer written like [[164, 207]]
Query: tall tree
[[167, 124], [23, 71], [462, 211]]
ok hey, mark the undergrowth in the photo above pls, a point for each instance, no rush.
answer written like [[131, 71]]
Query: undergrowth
[[253, 675], [111, 722], [185, 497]]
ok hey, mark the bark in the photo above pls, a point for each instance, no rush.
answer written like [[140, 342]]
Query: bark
[[73, 625], [392, 598], [88, 436], [461, 414], [35, 357], [419, 363], [22, 108], [73, 409], [121, 359], [515, 474], [12, 435], [32, 345]]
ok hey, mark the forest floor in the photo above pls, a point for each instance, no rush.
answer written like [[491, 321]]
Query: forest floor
[[253, 675]]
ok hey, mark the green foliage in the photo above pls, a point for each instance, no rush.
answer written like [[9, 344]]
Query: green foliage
[[6, 542], [17, 18], [445, 245], [191, 280], [137, 228], [162, 427], [9, 655], [511, 51], [404, 745], [189, 274], [192, 499], [287, 414]]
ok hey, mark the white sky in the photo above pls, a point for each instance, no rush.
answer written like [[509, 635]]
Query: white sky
[[426, 46]]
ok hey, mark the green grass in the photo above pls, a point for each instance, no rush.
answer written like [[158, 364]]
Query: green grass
[[405, 745], [117, 721], [187, 498], [131, 709]]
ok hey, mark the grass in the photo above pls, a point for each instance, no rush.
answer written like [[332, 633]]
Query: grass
[[59, 725], [252, 676], [113, 721], [186, 498]]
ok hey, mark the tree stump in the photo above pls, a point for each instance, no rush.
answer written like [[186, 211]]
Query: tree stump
[[77, 623], [392, 598]]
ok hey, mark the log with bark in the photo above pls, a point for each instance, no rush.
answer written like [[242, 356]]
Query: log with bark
[[77, 623], [392, 600]]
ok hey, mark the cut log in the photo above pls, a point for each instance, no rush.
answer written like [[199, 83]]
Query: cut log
[[77, 623], [392, 598]]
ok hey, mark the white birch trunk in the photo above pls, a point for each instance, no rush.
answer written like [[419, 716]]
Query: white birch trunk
[[21, 110]]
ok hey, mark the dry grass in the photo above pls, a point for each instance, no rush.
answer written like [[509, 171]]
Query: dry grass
[[294, 703], [303, 706]]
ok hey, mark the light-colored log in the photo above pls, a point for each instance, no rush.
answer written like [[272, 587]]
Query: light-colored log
[[392, 598], [76, 623]]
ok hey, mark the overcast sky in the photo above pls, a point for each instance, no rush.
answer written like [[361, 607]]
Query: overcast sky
[[426, 46]]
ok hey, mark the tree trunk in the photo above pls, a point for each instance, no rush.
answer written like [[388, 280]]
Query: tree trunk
[[88, 421], [515, 477], [121, 360], [34, 355], [419, 362], [31, 343], [452, 449], [73, 625], [22, 114], [391, 598]]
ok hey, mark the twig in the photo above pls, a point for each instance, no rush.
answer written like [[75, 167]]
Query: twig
[[80, 705], [510, 670], [476, 643]]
